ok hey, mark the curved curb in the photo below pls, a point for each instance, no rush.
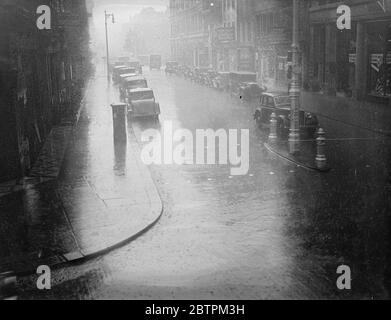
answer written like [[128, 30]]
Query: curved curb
[[61, 260], [73, 258], [294, 161]]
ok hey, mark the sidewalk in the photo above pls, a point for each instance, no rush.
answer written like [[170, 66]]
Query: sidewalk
[[371, 116], [350, 151], [85, 196]]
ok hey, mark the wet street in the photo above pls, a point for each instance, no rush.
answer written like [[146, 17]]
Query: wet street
[[279, 232]]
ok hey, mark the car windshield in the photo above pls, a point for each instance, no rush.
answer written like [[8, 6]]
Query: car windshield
[[283, 100], [143, 95]]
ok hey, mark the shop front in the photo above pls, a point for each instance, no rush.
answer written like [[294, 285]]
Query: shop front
[[352, 63], [379, 60]]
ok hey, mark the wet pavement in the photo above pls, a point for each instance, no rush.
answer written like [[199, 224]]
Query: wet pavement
[[279, 232], [97, 198]]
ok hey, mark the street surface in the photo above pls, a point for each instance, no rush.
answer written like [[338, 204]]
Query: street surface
[[279, 232]]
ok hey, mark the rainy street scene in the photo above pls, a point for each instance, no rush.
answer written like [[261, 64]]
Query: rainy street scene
[[195, 150]]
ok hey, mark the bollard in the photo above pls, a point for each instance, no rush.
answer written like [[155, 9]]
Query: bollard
[[119, 121], [8, 286], [273, 128], [321, 159]]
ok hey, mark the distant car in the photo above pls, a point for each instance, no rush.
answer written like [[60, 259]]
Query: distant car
[[137, 65], [142, 103], [251, 90], [280, 104], [155, 62], [118, 71], [171, 67], [239, 79]]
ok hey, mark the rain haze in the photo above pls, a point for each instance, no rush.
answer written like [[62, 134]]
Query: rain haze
[[195, 149]]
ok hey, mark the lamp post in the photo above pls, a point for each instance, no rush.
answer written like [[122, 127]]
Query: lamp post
[[294, 93], [107, 16]]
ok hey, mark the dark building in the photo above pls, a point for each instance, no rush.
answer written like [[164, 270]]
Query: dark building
[[42, 73], [351, 63]]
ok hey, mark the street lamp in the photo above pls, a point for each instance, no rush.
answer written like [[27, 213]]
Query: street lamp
[[107, 16], [294, 93]]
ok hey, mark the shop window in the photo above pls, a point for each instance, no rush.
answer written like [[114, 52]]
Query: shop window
[[379, 78]]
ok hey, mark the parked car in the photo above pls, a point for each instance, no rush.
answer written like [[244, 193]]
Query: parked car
[[155, 62], [280, 104], [171, 67], [251, 90], [118, 71], [137, 65], [142, 103], [116, 67], [238, 79], [129, 82]]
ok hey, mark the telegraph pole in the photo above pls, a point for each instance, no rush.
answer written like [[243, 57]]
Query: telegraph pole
[[294, 93], [108, 15]]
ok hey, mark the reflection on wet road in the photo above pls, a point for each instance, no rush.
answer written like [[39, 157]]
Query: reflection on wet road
[[278, 232]]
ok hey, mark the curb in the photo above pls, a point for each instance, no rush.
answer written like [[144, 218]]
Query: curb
[[294, 161], [55, 261]]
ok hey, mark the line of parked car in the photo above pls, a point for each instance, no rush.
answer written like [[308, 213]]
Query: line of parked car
[[134, 90], [245, 86], [241, 84]]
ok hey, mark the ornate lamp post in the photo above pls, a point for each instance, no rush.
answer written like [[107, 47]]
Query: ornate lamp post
[[107, 16], [294, 93]]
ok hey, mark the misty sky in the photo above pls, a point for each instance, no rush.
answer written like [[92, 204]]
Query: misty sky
[[123, 10]]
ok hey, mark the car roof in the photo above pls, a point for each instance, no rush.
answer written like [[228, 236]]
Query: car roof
[[136, 78], [141, 90], [128, 75]]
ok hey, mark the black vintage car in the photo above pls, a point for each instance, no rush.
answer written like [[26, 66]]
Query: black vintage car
[[251, 90], [280, 104], [239, 79]]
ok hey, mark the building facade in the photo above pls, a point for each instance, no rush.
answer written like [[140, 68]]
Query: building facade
[[236, 44], [214, 33], [356, 62], [190, 31], [42, 73], [274, 40]]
